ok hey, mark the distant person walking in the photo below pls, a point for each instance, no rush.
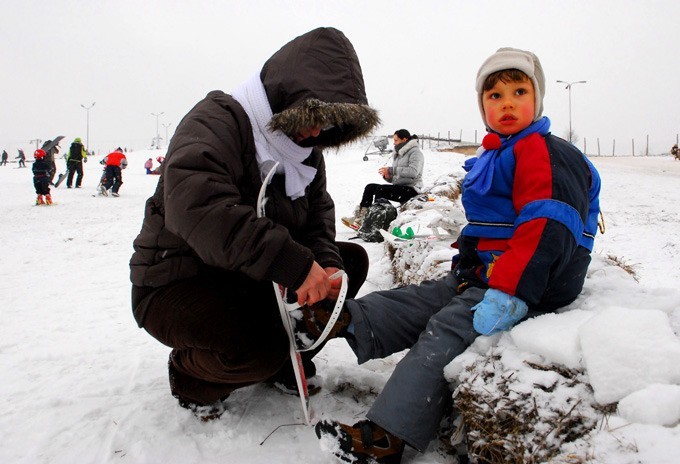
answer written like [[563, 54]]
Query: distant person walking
[[675, 152], [74, 162], [4, 158], [115, 162], [22, 158]]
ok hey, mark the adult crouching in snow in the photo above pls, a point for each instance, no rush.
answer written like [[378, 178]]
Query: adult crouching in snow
[[204, 261]]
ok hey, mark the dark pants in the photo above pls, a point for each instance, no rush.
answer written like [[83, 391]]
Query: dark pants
[[399, 193], [42, 185], [73, 168], [225, 329], [114, 178]]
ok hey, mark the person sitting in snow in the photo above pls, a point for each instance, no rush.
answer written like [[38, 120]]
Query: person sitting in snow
[[148, 164], [405, 177], [531, 200], [115, 162], [160, 160], [205, 260], [41, 178]]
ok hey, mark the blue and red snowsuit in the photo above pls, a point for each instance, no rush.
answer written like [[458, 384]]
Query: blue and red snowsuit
[[532, 207]]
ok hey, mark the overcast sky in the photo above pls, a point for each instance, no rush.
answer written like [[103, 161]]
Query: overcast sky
[[420, 58]]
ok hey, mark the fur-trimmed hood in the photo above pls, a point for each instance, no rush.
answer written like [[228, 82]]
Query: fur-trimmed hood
[[316, 79]]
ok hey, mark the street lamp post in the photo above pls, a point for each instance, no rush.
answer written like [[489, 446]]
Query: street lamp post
[[87, 134], [568, 87], [166, 133], [158, 145]]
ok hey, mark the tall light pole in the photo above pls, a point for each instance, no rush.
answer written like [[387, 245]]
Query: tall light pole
[[166, 133], [87, 134], [568, 87], [157, 135]]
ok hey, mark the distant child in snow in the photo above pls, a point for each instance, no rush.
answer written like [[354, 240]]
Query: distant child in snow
[[115, 162], [148, 165], [4, 158], [531, 201], [41, 178]]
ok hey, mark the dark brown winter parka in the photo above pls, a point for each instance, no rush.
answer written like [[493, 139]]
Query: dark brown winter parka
[[202, 215]]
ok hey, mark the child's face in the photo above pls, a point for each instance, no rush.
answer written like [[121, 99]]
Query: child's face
[[509, 107]]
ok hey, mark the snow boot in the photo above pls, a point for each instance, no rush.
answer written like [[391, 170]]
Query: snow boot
[[39, 200], [361, 443], [204, 411], [48, 199], [356, 219], [314, 320], [102, 191]]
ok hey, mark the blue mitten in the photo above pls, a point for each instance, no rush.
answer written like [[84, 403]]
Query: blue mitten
[[497, 311]]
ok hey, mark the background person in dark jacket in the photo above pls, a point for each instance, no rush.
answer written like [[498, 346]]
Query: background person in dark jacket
[[3, 162], [405, 177], [74, 162], [531, 201], [203, 264]]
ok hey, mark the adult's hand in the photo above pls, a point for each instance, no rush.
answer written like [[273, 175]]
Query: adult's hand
[[336, 283], [315, 287]]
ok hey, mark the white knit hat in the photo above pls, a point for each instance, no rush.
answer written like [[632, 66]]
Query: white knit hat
[[513, 58]]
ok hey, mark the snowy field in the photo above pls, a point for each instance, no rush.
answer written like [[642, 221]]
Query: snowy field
[[80, 383]]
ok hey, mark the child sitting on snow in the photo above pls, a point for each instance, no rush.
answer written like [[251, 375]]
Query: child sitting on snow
[[531, 202]]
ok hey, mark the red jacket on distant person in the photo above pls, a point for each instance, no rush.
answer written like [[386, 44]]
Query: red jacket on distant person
[[116, 159]]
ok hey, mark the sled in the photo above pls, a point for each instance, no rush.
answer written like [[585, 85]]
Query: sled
[[381, 144], [391, 238], [287, 303]]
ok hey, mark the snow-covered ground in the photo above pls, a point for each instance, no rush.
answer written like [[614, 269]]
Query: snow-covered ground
[[80, 383]]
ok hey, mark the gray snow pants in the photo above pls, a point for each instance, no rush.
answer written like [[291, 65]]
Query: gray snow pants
[[436, 324]]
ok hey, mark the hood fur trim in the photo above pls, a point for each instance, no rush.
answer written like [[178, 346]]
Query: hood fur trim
[[341, 123]]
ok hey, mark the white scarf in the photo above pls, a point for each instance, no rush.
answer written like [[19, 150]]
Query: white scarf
[[273, 146]]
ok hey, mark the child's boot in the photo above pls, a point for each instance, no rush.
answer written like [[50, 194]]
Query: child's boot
[[39, 200], [48, 199]]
